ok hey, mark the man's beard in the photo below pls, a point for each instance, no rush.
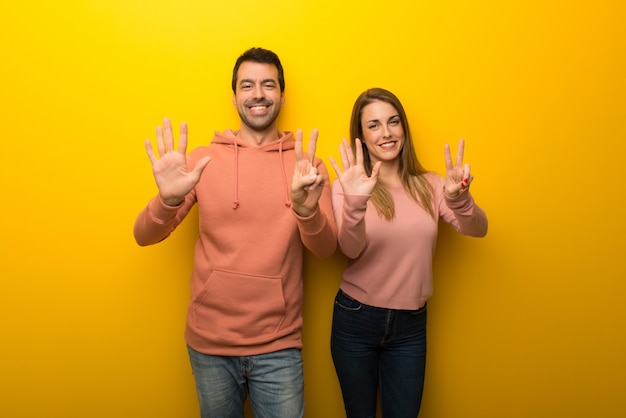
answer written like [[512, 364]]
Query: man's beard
[[258, 123]]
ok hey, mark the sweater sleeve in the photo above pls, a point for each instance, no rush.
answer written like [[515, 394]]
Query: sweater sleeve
[[461, 213], [319, 231], [349, 212]]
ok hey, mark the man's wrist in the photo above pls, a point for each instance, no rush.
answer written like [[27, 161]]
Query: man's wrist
[[172, 201], [302, 211]]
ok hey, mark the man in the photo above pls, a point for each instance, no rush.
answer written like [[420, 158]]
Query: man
[[244, 321]]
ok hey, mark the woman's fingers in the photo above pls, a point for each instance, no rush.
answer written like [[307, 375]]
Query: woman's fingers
[[459, 153]]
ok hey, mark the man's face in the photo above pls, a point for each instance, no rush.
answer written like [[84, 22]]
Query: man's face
[[257, 97]]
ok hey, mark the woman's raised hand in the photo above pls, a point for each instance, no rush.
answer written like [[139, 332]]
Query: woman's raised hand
[[458, 178], [354, 179]]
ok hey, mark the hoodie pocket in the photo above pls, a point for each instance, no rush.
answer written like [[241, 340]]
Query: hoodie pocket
[[240, 307]]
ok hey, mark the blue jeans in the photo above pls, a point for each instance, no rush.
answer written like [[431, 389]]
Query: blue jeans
[[378, 351], [274, 381]]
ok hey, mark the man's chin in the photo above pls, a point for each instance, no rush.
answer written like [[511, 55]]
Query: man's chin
[[259, 124]]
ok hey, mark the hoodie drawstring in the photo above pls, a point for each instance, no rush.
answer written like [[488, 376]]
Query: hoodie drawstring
[[236, 191], [282, 169]]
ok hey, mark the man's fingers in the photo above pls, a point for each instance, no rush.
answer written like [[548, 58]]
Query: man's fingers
[[150, 151], [298, 146], [160, 143], [182, 141], [313, 145], [169, 136]]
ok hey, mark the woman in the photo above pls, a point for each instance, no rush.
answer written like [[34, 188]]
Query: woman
[[387, 208]]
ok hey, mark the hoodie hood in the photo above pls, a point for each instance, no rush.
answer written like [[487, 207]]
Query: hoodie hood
[[284, 142]]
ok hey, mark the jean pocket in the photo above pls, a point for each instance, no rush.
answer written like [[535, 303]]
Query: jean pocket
[[345, 302], [419, 311]]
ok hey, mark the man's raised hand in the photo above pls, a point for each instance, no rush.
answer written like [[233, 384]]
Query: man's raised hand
[[172, 176]]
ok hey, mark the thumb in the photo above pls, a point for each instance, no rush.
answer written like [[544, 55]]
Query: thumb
[[201, 165], [452, 190], [375, 170]]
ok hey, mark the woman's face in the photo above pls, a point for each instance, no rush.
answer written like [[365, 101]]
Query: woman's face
[[383, 133]]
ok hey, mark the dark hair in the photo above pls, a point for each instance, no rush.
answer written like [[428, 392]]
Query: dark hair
[[410, 170], [263, 56]]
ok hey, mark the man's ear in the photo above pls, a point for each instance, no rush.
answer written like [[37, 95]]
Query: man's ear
[[234, 100], [282, 99]]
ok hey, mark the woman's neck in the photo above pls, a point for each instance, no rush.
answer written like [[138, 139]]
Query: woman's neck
[[388, 173]]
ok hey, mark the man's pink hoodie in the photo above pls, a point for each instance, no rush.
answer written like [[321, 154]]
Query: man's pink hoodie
[[246, 285]]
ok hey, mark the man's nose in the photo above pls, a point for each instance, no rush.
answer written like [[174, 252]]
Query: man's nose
[[257, 92]]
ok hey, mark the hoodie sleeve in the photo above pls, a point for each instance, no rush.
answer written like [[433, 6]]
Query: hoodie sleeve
[[158, 220], [319, 231]]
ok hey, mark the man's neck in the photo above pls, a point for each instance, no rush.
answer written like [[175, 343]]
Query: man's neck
[[257, 138]]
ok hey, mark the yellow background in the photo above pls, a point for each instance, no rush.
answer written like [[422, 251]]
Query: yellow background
[[528, 322]]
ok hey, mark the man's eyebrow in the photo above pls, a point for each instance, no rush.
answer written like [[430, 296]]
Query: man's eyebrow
[[249, 80]]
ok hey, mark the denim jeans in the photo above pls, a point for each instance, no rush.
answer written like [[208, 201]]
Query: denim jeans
[[378, 351], [274, 381]]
